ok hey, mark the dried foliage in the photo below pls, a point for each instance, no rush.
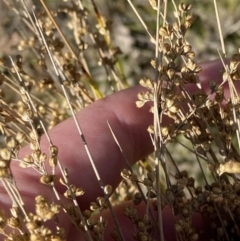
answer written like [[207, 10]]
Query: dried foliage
[[51, 76]]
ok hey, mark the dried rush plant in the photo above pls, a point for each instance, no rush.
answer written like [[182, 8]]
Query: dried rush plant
[[37, 95]]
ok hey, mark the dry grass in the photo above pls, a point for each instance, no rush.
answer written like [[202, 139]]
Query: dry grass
[[65, 56]]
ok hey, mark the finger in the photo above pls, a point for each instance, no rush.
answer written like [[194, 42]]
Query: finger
[[129, 124]]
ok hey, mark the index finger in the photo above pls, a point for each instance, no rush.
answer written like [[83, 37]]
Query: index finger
[[129, 124]]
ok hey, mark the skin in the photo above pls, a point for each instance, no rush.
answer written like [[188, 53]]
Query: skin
[[129, 125]]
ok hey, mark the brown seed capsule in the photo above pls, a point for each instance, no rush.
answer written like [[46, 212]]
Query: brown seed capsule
[[79, 192], [178, 227], [20, 137], [36, 154], [163, 32], [14, 222], [33, 135], [216, 190], [43, 157], [40, 199], [229, 167], [4, 164], [11, 142], [140, 103], [53, 150], [94, 206], [34, 145], [53, 161], [125, 173], [32, 225], [47, 179], [87, 214], [108, 189], [137, 198], [28, 159]]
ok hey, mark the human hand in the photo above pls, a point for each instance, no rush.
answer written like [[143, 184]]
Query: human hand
[[129, 125]]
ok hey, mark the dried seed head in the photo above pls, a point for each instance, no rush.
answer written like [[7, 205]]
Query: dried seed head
[[130, 212], [137, 198], [141, 226], [108, 190], [154, 3], [34, 135], [20, 137], [14, 222], [57, 238], [140, 103], [73, 191], [169, 196], [216, 190], [29, 159], [171, 73], [33, 225], [40, 199], [229, 167], [226, 76], [53, 160], [5, 154], [178, 227], [190, 182], [43, 157], [53, 150], [87, 214], [36, 155], [11, 142], [4, 164], [151, 176], [101, 202], [79, 192], [185, 212], [43, 210], [147, 182], [27, 115], [34, 145], [166, 48], [165, 131], [47, 179], [55, 208], [126, 173], [183, 7], [94, 206], [163, 32]]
